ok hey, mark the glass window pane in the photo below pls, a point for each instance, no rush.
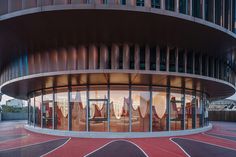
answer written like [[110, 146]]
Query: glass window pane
[[78, 103], [61, 109], [47, 108], [38, 103], [189, 111], [119, 110], [159, 113], [155, 4], [140, 110], [176, 109]]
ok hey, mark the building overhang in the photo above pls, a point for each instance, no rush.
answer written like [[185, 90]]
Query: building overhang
[[22, 86], [50, 27]]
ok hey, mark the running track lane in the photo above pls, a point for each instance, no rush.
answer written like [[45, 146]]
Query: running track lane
[[10, 137], [118, 148], [196, 149], [34, 150]]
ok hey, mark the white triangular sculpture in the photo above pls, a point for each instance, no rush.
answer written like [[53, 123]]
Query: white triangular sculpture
[[159, 103]]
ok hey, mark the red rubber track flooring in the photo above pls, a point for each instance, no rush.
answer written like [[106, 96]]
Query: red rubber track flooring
[[153, 147]]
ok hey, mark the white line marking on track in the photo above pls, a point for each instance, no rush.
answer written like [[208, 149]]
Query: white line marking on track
[[30, 144], [179, 147], [116, 141], [56, 148], [207, 143]]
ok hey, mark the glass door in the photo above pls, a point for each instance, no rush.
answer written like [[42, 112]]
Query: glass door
[[98, 115], [47, 114]]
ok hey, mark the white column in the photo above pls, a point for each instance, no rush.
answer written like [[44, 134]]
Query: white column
[[167, 58], [147, 57], [147, 3], [162, 4], [136, 57], [157, 58], [177, 6], [203, 9], [177, 59], [185, 61], [223, 13], [214, 11], [190, 7]]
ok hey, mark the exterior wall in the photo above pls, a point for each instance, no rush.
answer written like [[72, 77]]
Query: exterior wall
[[120, 56], [229, 116], [14, 116], [216, 11]]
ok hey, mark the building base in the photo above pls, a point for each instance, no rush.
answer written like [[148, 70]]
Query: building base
[[84, 134]]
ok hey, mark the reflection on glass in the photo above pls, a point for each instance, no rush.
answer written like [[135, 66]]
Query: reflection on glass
[[61, 109], [98, 116], [38, 100], [189, 111], [198, 112], [98, 110], [47, 108], [119, 110], [31, 111], [176, 111], [159, 113], [140, 111], [78, 102]]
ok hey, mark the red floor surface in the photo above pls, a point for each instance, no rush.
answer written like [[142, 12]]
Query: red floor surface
[[151, 146]]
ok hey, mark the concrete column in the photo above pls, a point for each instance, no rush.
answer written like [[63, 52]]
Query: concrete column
[[162, 4], [147, 3], [104, 55], [223, 13], [207, 65], [82, 57], [157, 58], [203, 9], [214, 11], [136, 57], [213, 67], [200, 64], [193, 62], [167, 58], [147, 57], [190, 7], [177, 6], [217, 68], [230, 15], [185, 61], [126, 56], [115, 56], [177, 59]]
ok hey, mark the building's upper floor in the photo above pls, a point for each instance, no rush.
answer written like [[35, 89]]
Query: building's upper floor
[[220, 12]]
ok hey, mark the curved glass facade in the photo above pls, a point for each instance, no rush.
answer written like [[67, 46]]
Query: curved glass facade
[[113, 108]]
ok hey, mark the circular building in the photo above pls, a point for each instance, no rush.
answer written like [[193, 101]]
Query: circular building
[[108, 66]]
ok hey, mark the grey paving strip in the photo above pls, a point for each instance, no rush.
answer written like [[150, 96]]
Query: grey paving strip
[[231, 130], [34, 150], [119, 148], [197, 148], [223, 136], [10, 137]]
